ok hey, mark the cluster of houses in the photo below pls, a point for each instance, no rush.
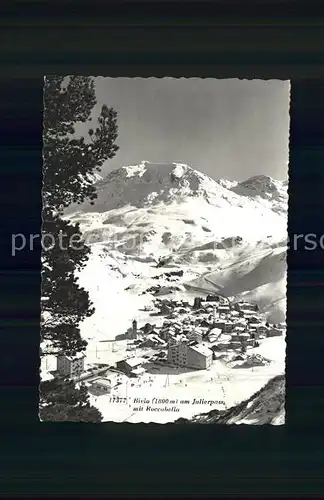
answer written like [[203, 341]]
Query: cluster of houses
[[190, 336], [214, 325]]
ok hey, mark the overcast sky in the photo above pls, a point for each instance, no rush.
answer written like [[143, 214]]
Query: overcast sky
[[225, 128]]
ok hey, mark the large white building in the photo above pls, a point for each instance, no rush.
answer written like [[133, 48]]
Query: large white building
[[71, 366], [190, 354]]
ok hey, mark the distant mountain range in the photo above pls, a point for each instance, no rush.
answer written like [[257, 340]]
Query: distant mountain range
[[153, 183]]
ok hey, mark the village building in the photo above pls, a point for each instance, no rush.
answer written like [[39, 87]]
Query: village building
[[195, 335], [240, 322], [212, 304], [190, 354], [147, 328], [262, 329], [219, 324], [70, 366], [166, 333], [199, 312], [131, 333], [165, 309], [244, 335], [128, 366], [154, 341], [101, 385], [223, 345], [236, 337], [254, 319], [177, 325], [106, 383], [177, 350], [254, 326], [214, 334], [274, 332], [235, 344], [248, 306], [239, 328], [212, 298], [197, 303], [248, 314], [205, 323], [199, 356], [223, 309], [244, 306], [228, 326], [136, 372]]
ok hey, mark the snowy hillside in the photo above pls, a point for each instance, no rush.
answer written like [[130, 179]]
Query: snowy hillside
[[266, 406], [173, 215], [259, 276], [227, 183]]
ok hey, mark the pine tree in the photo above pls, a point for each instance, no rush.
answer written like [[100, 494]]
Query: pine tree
[[61, 401], [68, 164], [69, 161]]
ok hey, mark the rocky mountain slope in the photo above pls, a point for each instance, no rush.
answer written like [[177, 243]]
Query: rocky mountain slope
[[267, 406], [266, 190]]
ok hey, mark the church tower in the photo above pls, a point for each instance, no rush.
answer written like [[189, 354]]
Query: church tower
[[134, 328]]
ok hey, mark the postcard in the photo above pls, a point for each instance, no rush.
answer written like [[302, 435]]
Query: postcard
[[164, 244]]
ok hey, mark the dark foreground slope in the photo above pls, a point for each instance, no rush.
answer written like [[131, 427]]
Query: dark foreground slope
[[267, 406]]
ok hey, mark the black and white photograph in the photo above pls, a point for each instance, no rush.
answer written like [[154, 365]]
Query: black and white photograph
[[164, 245]]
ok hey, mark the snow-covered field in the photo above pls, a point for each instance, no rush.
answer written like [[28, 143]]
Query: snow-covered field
[[225, 236]]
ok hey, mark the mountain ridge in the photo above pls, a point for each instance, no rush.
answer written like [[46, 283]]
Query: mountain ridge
[[149, 183]]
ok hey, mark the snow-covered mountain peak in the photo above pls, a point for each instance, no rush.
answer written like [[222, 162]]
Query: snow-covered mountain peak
[[177, 169], [265, 188], [262, 185], [149, 184]]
